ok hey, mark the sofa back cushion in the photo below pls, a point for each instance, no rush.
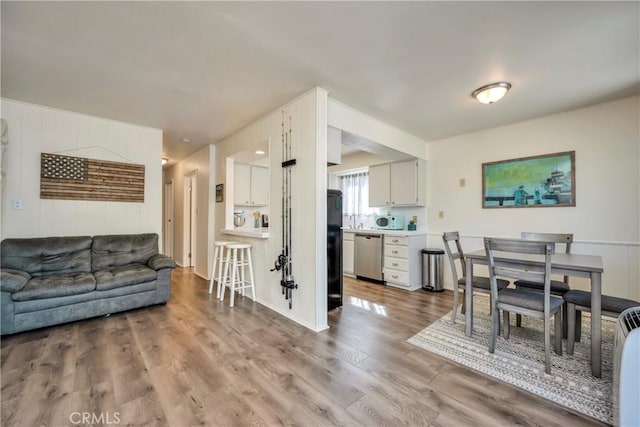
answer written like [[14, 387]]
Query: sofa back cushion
[[48, 255], [123, 249]]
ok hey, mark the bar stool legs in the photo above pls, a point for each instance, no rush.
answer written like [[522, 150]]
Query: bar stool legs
[[238, 262], [219, 259]]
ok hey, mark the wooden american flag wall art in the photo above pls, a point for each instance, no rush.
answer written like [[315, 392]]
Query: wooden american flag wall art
[[79, 178]]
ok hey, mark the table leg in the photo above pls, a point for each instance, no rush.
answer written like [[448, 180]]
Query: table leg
[[596, 324], [468, 295]]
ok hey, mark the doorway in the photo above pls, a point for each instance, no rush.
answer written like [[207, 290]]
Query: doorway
[[190, 218], [168, 219]]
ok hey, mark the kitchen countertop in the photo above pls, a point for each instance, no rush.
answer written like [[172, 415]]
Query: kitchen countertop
[[257, 233], [385, 232]]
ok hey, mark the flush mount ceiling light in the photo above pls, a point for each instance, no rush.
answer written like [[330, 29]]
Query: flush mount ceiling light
[[185, 140], [491, 93], [164, 161], [259, 152]]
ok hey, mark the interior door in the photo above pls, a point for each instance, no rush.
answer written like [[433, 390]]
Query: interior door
[[190, 219], [168, 219]]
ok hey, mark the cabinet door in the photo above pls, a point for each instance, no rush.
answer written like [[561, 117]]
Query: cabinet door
[[404, 183], [259, 186], [241, 184], [379, 185], [347, 256]]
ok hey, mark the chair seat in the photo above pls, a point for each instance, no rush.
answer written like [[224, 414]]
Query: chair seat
[[528, 299], [484, 282], [608, 303], [557, 287]]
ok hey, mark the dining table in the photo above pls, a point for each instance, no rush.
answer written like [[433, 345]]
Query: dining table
[[575, 265]]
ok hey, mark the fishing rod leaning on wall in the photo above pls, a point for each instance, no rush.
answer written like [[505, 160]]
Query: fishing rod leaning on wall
[[284, 262]]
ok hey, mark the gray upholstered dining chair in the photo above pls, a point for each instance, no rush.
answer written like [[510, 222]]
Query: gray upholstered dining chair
[[579, 301], [520, 301], [558, 287], [480, 283]]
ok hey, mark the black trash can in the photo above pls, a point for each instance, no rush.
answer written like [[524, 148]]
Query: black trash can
[[432, 270]]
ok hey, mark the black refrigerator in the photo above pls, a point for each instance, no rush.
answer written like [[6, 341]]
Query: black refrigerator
[[334, 249]]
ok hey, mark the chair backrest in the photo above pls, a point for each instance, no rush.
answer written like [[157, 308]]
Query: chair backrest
[[508, 264], [567, 239], [454, 236]]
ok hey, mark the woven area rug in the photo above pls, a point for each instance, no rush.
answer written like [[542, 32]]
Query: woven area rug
[[519, 361]]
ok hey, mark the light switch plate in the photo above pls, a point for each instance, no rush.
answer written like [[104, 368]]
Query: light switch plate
[[462, 182], [441, 214]]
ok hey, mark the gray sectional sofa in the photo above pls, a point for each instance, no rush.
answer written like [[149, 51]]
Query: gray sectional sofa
[[53, 280]]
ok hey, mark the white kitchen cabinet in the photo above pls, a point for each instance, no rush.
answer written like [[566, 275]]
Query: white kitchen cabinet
[[347, 253], [241, 184], [259, 186], [402, 262], [398, 184], [379, 185], [250, 185]]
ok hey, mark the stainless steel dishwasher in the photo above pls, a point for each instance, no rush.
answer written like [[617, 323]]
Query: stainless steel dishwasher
[[368, 256]]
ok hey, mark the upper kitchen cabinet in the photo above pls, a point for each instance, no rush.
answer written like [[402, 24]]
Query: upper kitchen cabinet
[[250, 185], [398, 183]]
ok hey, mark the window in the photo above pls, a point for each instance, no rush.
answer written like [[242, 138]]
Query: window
[[355, 193]]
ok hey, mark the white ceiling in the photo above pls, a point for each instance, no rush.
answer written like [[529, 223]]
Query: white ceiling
[[202, 70]]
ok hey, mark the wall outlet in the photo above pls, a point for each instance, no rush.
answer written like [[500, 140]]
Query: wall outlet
[[17, 205], [441, 214], [140, 208], [462, 182]]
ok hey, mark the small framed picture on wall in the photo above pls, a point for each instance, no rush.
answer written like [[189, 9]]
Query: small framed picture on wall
[[219, 193]]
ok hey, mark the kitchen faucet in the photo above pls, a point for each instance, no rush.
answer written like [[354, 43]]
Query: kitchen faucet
[[361, 226]]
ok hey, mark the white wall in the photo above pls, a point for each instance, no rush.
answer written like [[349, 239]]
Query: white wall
[[309, 113], [35, 129], [343, 117], [202, 161], [606, 218]]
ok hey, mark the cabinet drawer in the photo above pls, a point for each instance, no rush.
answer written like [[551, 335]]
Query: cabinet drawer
[[396, 263], [395, 240], [348, 236], [396, 276], [395, 251]]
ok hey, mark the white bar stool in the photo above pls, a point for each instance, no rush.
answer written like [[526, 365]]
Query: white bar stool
[[220, 259], [238, 262]]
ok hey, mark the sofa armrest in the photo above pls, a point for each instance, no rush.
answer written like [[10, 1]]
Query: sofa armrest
[[159, 261], [13, 280]]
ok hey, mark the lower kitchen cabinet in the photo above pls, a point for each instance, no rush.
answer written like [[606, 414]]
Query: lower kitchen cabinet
[[347, 253], [402, 263]]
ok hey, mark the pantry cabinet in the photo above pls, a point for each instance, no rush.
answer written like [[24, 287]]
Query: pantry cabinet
[[250, 185], [398, 184]]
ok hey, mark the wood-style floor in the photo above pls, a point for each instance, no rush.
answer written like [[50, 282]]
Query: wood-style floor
[[195, 361]]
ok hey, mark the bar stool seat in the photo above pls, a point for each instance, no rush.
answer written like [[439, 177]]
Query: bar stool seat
[[219, 258], [238, 260]]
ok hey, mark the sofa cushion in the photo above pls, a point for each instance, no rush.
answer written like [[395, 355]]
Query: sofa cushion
[[124, 249], [55, 285], [47, 303], [48, 255], [123, 276], [13, 280]]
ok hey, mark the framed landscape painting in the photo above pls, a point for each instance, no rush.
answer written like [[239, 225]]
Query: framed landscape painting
[[538, 181]]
